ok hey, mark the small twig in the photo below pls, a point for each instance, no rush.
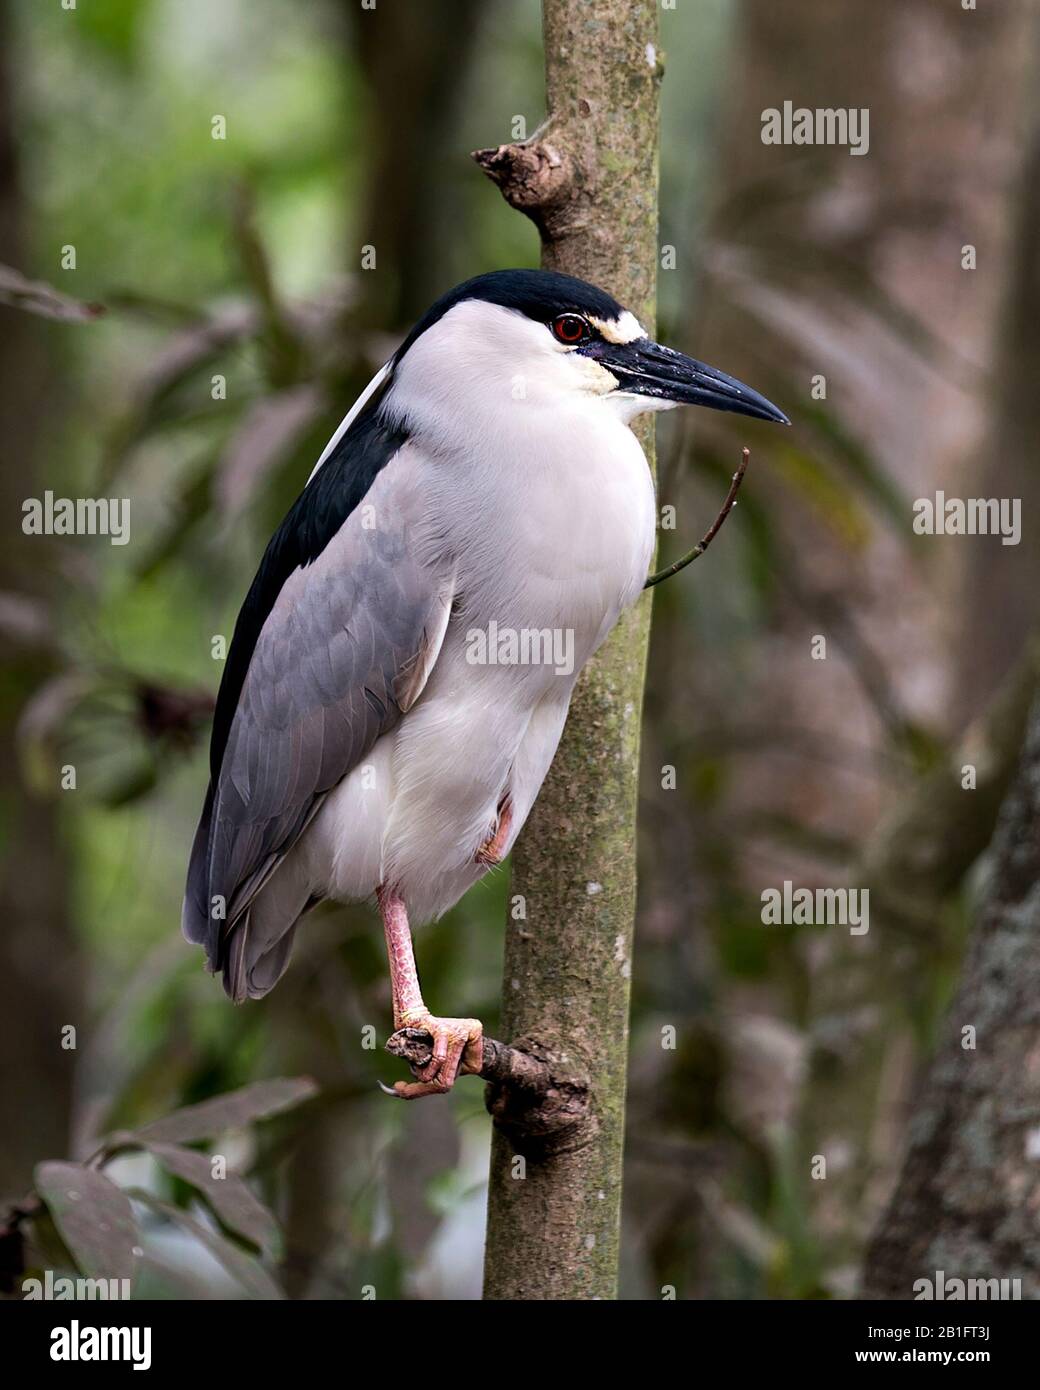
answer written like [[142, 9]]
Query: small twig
[[537, 179], [713, 529]]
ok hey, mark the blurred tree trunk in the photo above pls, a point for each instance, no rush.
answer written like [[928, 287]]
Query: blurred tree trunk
[[415, 57], [917, 858], [968, 1193], [588, 178], [38, 976], [850, 267], [999, 579]]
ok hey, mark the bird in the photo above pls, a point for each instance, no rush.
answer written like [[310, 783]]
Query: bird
[[402, 666]]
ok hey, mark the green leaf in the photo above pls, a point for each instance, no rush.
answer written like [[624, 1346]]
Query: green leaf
[[231, 1199], [94, 1218], [232, 1111]]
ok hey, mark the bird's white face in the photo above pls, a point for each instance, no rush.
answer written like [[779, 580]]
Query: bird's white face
[[483, 355], [483, 362]]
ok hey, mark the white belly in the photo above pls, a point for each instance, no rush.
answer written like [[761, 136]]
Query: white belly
[[421, 805]]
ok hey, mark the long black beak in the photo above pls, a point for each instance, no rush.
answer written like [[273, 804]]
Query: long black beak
[[646, 368]]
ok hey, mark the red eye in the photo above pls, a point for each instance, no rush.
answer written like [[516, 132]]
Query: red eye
[[570, 329]]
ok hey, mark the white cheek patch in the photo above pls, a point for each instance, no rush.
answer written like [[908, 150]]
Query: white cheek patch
[[626, 328], [594, 376]]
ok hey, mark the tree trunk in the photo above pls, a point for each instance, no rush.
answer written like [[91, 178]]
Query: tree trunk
[[967, 1197], [39, 973], [1007, 467], [588, 179], [416, 67]]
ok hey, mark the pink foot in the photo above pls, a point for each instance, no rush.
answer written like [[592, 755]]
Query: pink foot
[[458, 1050]]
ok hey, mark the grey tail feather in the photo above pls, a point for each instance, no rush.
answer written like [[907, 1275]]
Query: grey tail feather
[[252, 950], [234, 973], [257, 952], [197, 922]]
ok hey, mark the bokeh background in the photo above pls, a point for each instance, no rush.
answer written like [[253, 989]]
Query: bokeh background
[[241, 259]]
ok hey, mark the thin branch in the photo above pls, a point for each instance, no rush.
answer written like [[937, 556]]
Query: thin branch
[[713, 529], [38, 298], [539, 1104], [501, 1062]]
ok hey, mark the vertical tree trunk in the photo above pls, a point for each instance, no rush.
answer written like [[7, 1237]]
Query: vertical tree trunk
[[588, 178], [967, 1197], [39, 977], [416, 58], [1007, 467]]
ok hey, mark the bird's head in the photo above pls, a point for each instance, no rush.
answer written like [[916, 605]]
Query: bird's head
[[545, 338]]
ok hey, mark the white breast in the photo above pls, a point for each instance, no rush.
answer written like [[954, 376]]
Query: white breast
[[552, 529], [535, 482]]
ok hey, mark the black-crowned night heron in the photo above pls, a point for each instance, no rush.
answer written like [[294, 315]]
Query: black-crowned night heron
[[402, 666]]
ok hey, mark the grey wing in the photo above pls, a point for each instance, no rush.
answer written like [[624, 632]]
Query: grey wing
[[345, 650]]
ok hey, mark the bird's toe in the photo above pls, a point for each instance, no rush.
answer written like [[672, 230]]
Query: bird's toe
[[458, 1046]]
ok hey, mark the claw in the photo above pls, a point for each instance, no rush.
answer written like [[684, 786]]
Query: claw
[[389, 1091]]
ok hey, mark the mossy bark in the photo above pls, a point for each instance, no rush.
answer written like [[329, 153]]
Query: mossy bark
[[588, 178]]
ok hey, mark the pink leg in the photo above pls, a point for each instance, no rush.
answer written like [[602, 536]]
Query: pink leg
[[404, 978], [457, 1042]]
